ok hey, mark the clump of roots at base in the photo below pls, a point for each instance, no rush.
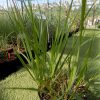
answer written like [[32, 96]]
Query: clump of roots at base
[[58, 90]]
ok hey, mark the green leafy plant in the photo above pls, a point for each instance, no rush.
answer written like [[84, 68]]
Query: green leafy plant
[[4, 46], [98, 25], [6, 26], [57, 75]]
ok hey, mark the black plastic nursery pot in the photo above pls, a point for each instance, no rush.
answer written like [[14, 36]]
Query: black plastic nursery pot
[[9, 63], [44, 95], [85, 94], [9, 67]]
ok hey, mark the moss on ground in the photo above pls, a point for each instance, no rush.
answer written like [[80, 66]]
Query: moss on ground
[[20, 79]]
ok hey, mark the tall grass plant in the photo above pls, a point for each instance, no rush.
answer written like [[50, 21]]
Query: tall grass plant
[[58, 76]]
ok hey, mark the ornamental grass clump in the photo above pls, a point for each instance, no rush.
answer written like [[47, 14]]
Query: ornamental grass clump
[[58, 76], [6, 26]]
